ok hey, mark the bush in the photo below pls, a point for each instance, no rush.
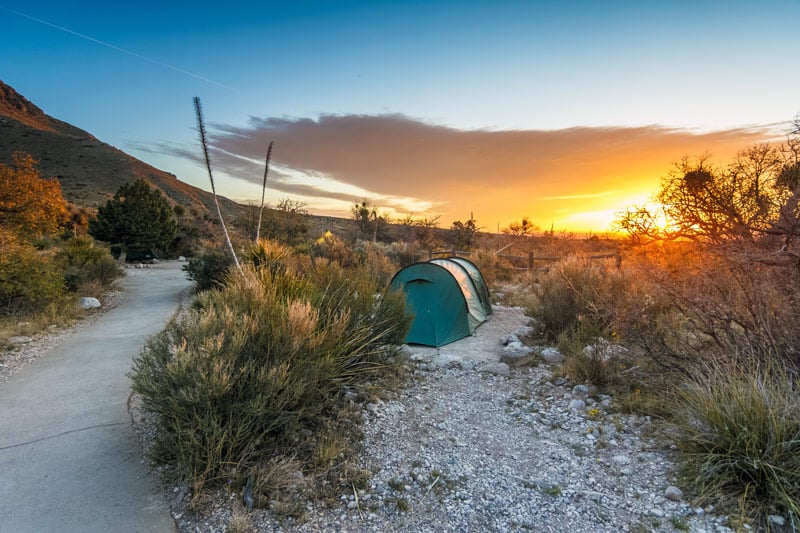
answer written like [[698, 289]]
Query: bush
[[492, 268], [258, 368], [209, 270], [739, 439], [29, 280], [701, 305], [85, 262], [577, 298]]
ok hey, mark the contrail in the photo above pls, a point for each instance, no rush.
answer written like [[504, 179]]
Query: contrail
[[119, 49]]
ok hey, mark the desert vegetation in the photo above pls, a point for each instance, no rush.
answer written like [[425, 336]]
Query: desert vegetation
[[46, 258], [698, 325]]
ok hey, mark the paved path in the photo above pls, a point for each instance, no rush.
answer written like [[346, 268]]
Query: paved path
[[69, 459]]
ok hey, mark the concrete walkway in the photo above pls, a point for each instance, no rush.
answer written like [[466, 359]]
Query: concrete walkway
[[69, 459]]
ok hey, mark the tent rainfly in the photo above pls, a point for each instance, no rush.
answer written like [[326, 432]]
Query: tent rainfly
[[448, 298]]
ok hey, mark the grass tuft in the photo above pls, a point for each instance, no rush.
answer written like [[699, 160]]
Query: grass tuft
[[739, 439]]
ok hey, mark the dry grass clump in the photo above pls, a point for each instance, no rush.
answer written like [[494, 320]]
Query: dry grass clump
[[259, 369], [739, 439]]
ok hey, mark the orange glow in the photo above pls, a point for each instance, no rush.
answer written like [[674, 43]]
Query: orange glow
[[576, 179]]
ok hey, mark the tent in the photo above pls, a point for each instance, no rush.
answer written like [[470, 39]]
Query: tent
[[448, 298]]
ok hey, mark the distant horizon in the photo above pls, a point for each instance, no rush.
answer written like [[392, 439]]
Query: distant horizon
[[565, 113]]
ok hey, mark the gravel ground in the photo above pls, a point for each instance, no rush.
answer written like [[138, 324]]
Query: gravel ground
[[471, 446]]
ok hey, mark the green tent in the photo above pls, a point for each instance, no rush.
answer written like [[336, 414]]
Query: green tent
[[448, 298]]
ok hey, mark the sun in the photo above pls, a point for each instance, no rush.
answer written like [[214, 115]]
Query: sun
[[661, 221]]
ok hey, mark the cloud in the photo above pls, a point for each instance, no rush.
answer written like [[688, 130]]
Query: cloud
[[550, 176]]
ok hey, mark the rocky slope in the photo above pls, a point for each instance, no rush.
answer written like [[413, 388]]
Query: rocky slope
[[89, 170]]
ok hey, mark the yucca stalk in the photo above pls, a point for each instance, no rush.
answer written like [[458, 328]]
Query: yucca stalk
[[198, 110], [263, 190]]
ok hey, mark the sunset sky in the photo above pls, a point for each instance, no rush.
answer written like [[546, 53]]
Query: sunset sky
[[564, 112]]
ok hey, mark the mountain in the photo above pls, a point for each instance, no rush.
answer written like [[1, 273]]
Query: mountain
[[89, 170]]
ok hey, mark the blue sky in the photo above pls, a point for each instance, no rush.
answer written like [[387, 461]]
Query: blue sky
[[701, 75]]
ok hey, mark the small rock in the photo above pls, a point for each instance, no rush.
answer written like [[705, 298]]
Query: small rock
[[87, 302], [577, 405], [580, 390], [510, 338], [673, 493], [621, 460], [524, 331], [498, 369], [181, 259], [778, 520], [517, 354], [552, 355], [19, 339], [657, 513], [446, 361]]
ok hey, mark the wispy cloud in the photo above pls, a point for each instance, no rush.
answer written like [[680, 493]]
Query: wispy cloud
[[550, 176]]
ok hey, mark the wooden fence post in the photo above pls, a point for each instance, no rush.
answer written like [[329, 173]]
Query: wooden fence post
[[530, 260]]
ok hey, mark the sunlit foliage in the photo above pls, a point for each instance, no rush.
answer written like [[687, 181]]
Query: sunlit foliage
[[752, 199], [30, 206]]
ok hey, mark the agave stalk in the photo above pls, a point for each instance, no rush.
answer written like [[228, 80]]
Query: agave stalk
[[198, 110], [263, 191]]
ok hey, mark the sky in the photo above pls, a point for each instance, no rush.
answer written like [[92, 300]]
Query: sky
[[564, 112]]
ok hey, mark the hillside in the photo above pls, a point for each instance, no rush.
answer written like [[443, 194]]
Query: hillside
[[89, 170]]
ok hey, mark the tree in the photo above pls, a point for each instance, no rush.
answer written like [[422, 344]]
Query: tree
[[521, 228], [368, 221], [754, 201], [424, 231], [464, 233], [137, 218], [29, 205], [701, 202]]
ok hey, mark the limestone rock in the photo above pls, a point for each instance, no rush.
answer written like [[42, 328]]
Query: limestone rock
[[498, 369], [517, 354], [552, 355], [19, 339], [87, 302], [673, 493]]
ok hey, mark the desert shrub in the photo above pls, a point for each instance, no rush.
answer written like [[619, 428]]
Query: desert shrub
[[576, 298], [86, 262], [371, 255], [405, 253], [267, 254], [357, 290], [208, 270], [739, 438], [492, 268], [259, 366], [29, 280], [702, 304]]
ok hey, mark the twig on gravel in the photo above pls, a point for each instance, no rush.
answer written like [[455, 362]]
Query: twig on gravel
[[435, 481], [358, 504]]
